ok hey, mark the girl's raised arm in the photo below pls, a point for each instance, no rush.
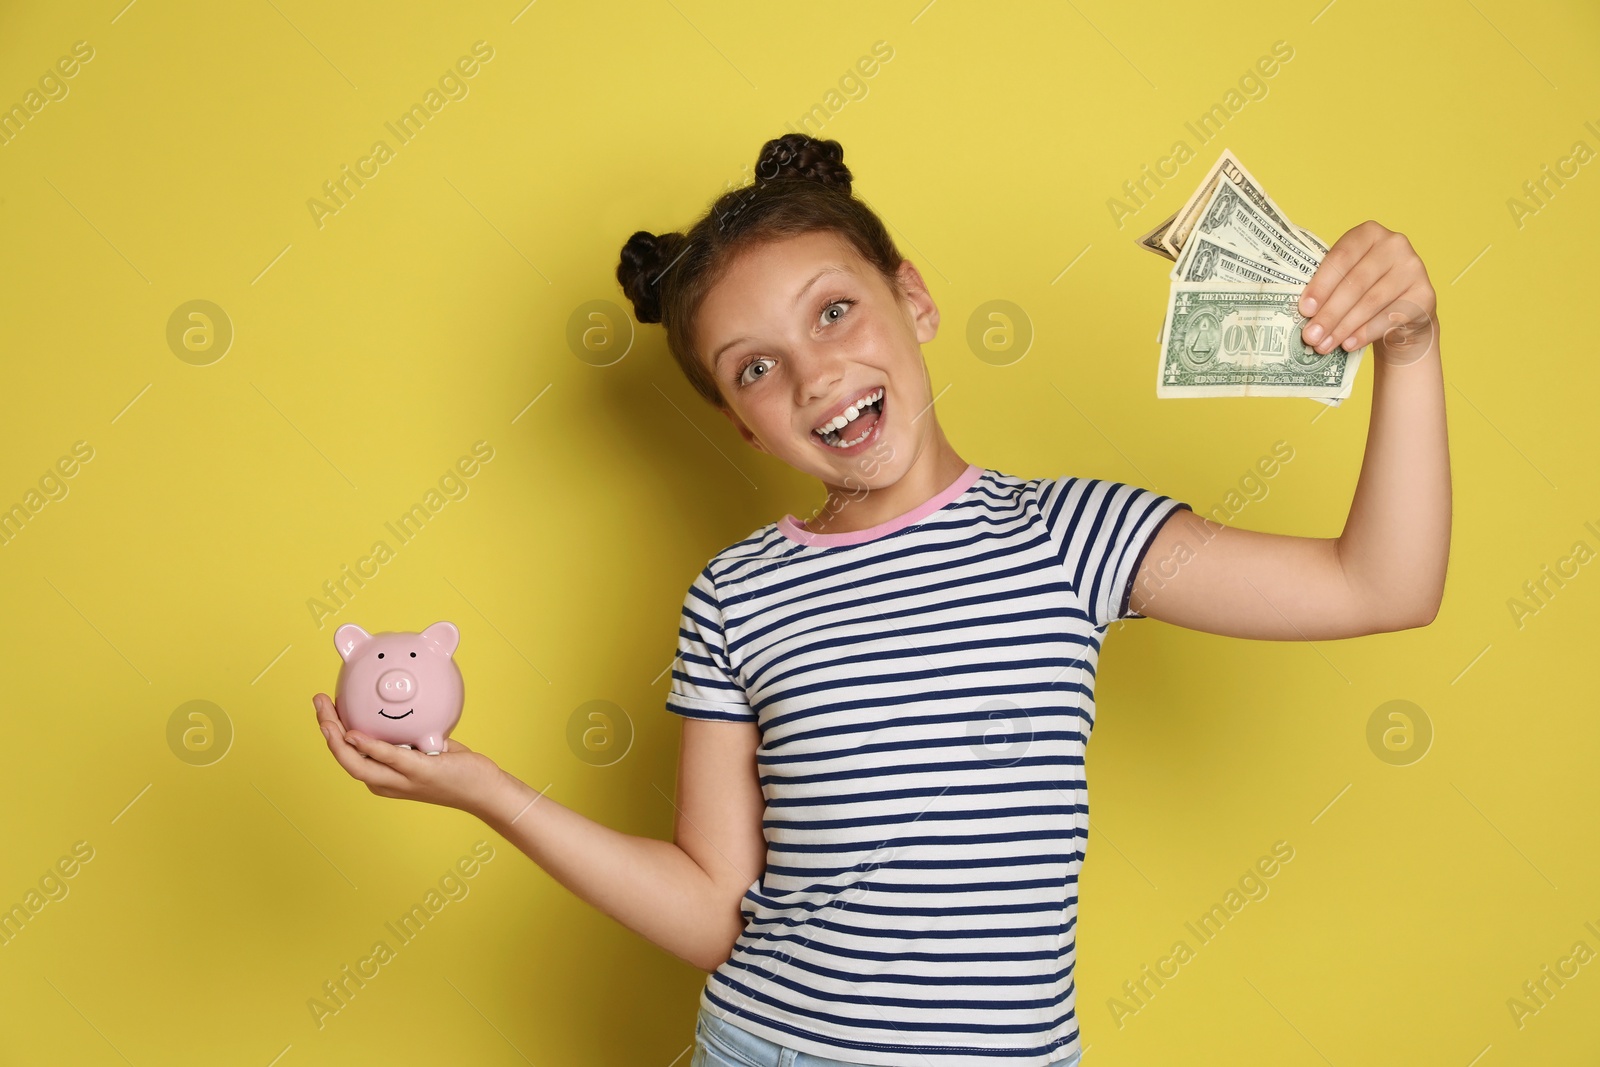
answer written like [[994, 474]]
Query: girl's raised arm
[[1386, 570]]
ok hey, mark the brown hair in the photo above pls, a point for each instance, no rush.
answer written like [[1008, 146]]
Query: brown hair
[[801, 186]]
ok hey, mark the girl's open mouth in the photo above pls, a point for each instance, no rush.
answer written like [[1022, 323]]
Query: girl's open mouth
[[855, 435]]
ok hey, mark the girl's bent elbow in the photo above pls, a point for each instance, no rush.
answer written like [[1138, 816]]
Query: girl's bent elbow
[[709, 964], [1390, 624]]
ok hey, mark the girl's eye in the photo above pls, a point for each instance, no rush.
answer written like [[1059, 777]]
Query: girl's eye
[[739, 379], [835, 304]]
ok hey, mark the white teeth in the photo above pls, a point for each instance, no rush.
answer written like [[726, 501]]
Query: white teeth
[[849, 414], [848, 444]]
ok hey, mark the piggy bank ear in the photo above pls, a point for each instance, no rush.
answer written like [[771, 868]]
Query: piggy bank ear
[[348, 639], [444, 636]]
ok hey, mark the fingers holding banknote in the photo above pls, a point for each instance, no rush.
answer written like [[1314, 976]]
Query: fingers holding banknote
[[1371, 288]]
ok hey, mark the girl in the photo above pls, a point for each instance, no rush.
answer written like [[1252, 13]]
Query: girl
[[882, 807]]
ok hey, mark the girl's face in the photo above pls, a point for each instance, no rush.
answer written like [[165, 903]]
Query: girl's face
[[799, 329]]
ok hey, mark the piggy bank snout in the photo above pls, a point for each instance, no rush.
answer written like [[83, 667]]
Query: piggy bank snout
[[396, 687]]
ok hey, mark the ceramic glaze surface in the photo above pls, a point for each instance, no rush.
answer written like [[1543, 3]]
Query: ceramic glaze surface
[[403, 688]]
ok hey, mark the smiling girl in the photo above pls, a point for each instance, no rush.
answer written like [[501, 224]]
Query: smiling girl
[[882, 807]]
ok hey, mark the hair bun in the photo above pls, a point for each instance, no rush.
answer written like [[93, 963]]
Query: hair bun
[[801, 156], [644, 258]]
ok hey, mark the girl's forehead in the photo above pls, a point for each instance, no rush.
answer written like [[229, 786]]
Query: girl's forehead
[[771, 279], [801, 253]]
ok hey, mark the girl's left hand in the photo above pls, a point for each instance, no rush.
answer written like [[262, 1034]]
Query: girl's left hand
[[1371, 288], [458, 777]]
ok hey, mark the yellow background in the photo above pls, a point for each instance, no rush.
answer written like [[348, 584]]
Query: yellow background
[[371, 352]]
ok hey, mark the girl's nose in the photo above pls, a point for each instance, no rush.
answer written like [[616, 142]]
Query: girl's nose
[[821, 376]]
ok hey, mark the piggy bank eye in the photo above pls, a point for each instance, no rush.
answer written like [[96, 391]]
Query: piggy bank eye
[[413, 655], [380, 655]]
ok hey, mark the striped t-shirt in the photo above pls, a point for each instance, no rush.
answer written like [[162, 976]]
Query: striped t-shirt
[[924, 691]]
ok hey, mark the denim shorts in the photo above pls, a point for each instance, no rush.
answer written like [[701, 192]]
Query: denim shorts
[[718, 1043]]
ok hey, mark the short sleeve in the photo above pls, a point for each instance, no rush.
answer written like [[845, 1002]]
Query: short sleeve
[[703, 681], [1103, 530]]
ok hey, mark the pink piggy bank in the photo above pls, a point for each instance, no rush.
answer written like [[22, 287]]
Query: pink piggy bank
[[403, 688]]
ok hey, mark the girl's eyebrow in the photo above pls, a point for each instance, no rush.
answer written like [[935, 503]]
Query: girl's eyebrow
[[716, 358], [832, 268]]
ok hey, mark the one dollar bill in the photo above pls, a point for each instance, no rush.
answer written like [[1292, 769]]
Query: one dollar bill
[[1222, 340]]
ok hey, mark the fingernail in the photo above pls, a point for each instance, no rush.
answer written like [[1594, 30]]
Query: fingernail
[[1314, 334], [1349, 344], [1308, 305]]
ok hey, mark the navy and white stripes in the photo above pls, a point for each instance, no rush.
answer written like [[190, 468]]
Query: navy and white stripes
[[924, 691]]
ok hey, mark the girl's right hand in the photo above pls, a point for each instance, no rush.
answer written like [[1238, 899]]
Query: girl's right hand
[[457, 778]]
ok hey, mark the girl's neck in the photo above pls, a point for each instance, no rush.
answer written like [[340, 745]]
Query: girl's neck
[[849, 509]]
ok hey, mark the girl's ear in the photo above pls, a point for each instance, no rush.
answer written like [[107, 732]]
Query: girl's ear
[[924, 312]]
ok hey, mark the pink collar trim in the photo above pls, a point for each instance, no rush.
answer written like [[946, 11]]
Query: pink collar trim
[[790, 526]]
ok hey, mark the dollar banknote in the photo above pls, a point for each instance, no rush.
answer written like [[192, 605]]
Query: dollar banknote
[[1233, 326], [1244, 340], [1227, 169], [1152, 240], [1229, 217], [1205, 258]]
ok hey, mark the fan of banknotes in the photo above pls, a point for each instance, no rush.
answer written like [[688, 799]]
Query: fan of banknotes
[[1233, 325]]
